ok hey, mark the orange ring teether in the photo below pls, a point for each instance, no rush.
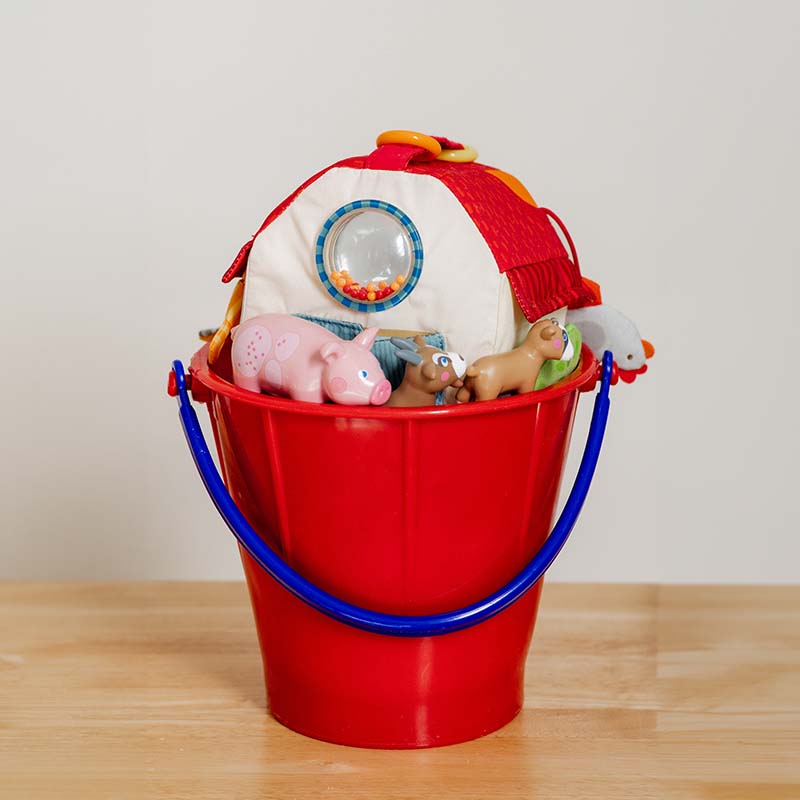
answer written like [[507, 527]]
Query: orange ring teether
[[410, 137]]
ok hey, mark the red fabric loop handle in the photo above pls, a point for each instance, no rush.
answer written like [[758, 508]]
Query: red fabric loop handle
[[564, 230]]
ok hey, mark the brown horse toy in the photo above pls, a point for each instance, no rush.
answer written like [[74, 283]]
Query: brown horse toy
[[428, 371], [517, 370]]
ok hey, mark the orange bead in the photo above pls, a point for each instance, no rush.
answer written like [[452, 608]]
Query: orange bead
[[341, 282], [382, 285], [370, 295], [335, 276], [371, 287], [401, 279], [395, 286]]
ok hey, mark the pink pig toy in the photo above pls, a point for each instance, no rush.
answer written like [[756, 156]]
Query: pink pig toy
[[285, 355]]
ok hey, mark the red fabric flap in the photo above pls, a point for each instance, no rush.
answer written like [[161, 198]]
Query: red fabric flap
[[239, 263], [543, 287]]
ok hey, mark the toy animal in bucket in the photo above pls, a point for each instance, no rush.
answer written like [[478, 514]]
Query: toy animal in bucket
[[287, 355], [407, 322], [428, 372]]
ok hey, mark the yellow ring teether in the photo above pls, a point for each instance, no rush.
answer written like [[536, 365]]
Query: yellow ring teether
[[463, 156], [410, 137]]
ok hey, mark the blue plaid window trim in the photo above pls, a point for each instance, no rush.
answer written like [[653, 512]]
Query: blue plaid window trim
[[416, 267]]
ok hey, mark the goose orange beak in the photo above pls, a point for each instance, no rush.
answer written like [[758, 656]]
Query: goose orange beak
[[649, 350]]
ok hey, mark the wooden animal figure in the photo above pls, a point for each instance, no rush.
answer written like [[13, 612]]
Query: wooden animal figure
[[428, 371], [517, 370]]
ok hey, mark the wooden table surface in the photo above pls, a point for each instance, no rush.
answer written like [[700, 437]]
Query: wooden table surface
[[155, 690]]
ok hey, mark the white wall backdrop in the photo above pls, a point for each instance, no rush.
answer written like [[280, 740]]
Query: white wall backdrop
[[144, 142]]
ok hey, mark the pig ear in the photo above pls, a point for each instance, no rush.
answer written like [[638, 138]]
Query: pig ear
[[330, 351], [366, 338]]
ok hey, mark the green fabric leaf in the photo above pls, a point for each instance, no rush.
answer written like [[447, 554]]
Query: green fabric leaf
[[554, 371]]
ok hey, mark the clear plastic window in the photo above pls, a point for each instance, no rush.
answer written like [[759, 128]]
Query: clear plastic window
[[369, 255]]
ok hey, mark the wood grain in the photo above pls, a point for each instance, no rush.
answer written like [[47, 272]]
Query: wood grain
[[155, 690]]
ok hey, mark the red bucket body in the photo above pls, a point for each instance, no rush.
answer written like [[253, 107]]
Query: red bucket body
[[404, 511]]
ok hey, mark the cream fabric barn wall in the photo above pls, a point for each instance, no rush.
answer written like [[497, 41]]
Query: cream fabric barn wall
[[460, 293], [144, 142]]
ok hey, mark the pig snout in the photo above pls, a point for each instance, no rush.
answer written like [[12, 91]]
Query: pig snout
[[381, 392]]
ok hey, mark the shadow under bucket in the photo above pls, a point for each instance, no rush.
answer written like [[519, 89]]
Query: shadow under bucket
[[407, 512]]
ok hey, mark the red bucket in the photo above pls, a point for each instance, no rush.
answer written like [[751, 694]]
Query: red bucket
[[406, 511]]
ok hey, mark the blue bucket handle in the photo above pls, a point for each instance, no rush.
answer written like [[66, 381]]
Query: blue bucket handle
[[375, 621]]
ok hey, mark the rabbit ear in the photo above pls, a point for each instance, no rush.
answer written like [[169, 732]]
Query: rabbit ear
[[411, 358], [366, 338], [402, 344]]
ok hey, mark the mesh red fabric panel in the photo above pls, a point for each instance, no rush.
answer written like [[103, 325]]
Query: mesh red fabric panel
[[520, 236], [517, 233]]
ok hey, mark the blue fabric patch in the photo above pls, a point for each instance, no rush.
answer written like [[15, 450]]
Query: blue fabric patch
[[386, 353]]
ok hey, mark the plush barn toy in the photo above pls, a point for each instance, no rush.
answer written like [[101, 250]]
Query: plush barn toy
[[415, 238]]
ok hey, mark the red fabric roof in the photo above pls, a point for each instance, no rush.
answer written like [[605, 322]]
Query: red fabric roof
[[521, 237]]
